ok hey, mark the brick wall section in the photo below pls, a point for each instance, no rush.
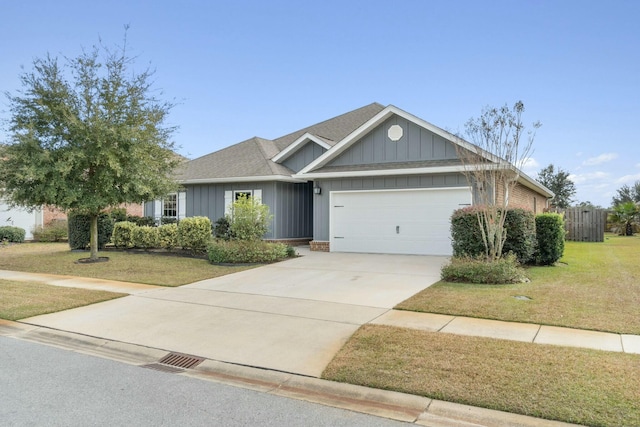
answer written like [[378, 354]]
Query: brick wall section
[[523, 197], [319, 246], [50, 213]]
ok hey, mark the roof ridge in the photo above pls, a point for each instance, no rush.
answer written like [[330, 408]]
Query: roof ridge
[[328, 120], [267, 157]]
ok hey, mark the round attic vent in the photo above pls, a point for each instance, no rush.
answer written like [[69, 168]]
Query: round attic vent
[[395, 132]]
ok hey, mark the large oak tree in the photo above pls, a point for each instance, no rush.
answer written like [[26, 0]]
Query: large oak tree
[[87, 133]]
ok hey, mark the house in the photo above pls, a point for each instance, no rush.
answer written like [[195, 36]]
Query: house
[[376, 179], [29, 220]]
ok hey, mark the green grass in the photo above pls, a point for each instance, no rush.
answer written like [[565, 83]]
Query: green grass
[[595, 286], [19, 300], [56, 258], [574, 385]]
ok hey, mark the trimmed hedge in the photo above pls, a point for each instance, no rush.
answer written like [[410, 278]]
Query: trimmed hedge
[[12, 234], [550, 235], [194, 233], [467, 237], [80, 230], [122, 236], [246, 251], [521, 234], [145, 237], [168, 236], [477, 270]]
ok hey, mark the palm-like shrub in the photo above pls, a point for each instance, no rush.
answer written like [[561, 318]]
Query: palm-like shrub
[[624, 217]]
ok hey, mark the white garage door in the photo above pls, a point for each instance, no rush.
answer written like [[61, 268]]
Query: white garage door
[[395, 221], [18, 217]]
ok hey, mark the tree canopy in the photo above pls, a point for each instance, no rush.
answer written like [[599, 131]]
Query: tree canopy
[[557, 180], [87, 133], [627, 193]]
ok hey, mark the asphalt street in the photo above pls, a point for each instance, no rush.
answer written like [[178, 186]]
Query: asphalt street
[[43, 385]]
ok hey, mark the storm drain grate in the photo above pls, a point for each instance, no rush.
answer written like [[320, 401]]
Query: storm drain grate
[[179, 360]]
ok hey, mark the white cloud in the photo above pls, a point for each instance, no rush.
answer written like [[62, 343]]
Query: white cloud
[[602, 158], [583, 178], [628, 179], [530, 165]]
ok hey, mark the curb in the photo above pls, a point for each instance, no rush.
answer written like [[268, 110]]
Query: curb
[[388, 404]]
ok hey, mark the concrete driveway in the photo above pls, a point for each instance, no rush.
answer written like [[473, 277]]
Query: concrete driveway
[[291, 316]]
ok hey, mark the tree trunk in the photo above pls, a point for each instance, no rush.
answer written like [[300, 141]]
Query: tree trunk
[[94, 237]]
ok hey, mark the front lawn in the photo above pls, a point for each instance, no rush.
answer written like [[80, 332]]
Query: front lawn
[[574, 385], [595, 286], [19, 300], [56, 258]]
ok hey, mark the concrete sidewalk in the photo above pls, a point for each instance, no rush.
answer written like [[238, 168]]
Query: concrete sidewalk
[[525, 332]]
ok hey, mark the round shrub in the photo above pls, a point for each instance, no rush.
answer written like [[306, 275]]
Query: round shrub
[[168, 236], [12, 234], [245, 251], [122, 236], [55, 231], [145, 237], [194, 233], [480, 271]]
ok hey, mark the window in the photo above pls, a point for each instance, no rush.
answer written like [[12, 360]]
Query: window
[[239, 193], [170, 206]]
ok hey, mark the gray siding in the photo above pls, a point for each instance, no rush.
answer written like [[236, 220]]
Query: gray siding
[[293, 210], [289, 203], [321, 202], [305, 155], [416, 144]]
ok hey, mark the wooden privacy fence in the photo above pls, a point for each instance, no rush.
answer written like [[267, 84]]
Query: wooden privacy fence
[[585, 224]]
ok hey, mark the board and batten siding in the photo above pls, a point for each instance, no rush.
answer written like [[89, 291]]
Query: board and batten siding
[[416, 144], [291, 205], [305, 155], [321, 205]]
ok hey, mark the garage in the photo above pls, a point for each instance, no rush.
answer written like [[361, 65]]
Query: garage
[[19, 217], [395, 221]]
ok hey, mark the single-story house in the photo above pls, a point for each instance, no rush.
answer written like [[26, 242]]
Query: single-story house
[[376, 179], [29, 220]]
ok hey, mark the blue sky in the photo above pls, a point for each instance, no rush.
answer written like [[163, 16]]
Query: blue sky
[[251, 68]]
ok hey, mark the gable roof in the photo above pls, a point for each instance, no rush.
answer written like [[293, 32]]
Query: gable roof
[[252, 160]]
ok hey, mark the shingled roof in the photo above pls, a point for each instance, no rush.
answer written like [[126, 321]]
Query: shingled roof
[[252, 158]]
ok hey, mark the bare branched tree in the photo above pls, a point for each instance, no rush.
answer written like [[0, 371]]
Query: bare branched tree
[[492, 167]]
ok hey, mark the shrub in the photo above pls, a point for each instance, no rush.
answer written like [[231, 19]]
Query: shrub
[[466, 236], [521, 234], [168, 220], [80, 230], [249, 219], [478, 270], [142, 220], [122, 236], [168, 236], [467, 240], [194, 233], [222, 229], [246, 251], [12, 234], [55, 231], [145, 237], [550, 235], [118, 214]]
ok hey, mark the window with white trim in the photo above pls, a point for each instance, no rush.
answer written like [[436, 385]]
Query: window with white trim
[[170, 206]]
